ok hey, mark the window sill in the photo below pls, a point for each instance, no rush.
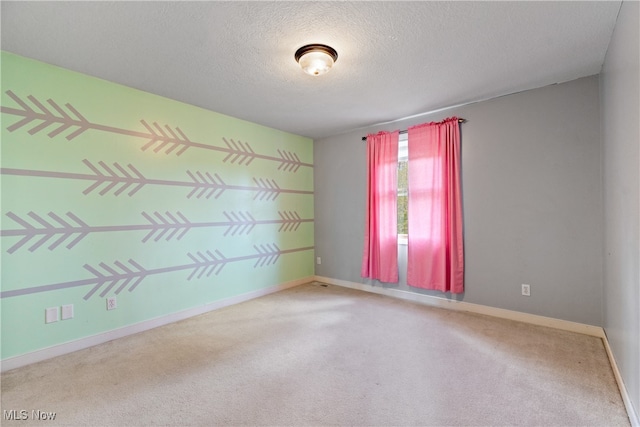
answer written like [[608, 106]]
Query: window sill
[[403, 239]]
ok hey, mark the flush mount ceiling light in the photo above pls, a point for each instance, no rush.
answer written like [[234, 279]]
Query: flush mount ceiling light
[[316, 59]]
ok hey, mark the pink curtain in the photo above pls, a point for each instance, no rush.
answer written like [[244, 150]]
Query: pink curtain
[[435, 252], [380, 254]]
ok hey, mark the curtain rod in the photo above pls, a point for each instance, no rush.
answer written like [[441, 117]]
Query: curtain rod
[[364, 138]]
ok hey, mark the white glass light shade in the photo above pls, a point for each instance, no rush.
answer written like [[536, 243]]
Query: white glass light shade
[[316, 63], [316, 59]]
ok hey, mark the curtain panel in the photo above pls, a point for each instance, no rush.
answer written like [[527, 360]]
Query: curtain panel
[[380, 252], [435, 258]]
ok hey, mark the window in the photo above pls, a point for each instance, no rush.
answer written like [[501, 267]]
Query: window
[[403, 162]]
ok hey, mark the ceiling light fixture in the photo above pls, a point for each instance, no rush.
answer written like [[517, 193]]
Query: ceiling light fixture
[[316, 59]]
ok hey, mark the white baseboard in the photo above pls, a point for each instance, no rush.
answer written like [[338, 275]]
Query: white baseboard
[[82, 343], [533, 319], [433, 301], [633, 415]]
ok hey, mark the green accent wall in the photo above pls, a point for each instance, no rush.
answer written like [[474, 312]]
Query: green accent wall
[[111, 191]]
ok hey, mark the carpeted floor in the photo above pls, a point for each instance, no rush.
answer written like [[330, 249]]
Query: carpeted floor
[[326, 355]]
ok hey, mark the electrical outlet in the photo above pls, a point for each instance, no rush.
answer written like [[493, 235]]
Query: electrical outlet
[[111, 303], [526, 290], [318, 260]]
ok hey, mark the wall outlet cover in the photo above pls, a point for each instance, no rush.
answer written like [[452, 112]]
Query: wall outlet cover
[[112, 303]]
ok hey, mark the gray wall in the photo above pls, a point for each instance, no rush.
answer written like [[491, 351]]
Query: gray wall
[[621, 153], [532, 195]]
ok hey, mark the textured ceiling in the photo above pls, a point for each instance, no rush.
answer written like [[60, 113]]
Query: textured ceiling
[[396, 59]]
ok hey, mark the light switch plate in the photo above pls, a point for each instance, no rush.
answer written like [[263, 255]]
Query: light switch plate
[[51, 315], [67, 312]]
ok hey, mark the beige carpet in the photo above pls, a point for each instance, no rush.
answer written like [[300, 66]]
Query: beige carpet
[[325, 355]]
